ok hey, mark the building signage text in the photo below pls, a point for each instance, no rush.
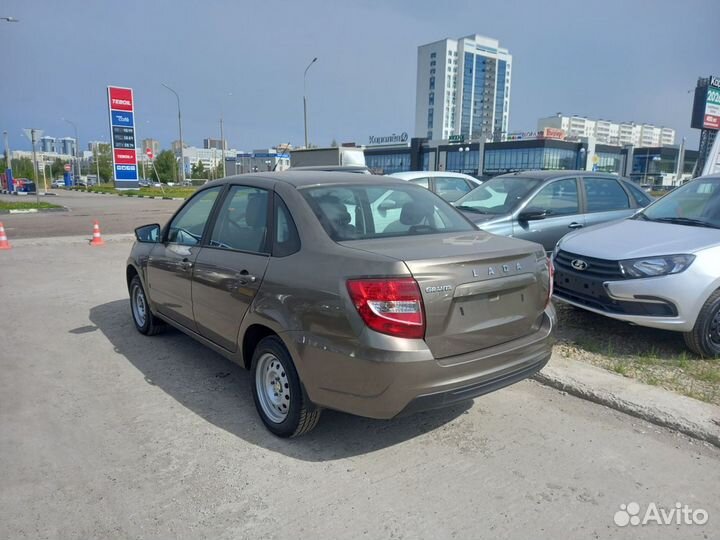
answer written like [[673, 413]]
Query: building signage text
[[389, 139]]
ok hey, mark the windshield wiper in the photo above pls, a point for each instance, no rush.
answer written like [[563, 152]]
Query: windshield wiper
[[471, 209], [687, 221]]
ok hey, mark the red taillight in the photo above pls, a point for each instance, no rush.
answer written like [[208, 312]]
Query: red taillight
[[389, 306], [551, 286]]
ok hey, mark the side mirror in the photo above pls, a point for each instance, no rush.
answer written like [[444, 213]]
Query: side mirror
[[532, 214], [149, 234]]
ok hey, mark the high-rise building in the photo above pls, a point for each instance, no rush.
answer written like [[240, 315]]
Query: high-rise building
[[214, 143], [463, 88], [153, 145], [607, 132], [47, 144], [65, 145]]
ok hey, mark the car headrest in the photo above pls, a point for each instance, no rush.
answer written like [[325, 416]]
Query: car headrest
[[414, 212], [336, 212]]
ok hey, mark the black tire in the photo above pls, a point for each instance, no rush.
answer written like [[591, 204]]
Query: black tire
[[704, 338], [149, 324], [300, 415]]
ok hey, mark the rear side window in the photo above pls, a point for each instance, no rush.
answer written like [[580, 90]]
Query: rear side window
[[605, 195], [641, 198], [287, 240], [558, 198], [242, 222], [451, 189], [375, 211], [421, 182]]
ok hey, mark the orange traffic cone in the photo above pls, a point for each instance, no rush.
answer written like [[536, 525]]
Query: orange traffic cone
[[97, 237], [4, 244]]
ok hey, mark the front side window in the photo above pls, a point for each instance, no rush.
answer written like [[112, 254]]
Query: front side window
[[641, 198], [500, 195], [558, 198], [605, 195], [242, 222], [188, 225], [373, 211]]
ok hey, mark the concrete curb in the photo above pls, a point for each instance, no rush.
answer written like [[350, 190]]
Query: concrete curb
[[54, 240], [136, 196], [33, 210], [658, 406]]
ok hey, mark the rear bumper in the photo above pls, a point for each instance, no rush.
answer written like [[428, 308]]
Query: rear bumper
[[383, 384], [446, 398]]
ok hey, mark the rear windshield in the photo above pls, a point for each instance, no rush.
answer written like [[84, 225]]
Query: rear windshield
[[500, 195], [374, 211]]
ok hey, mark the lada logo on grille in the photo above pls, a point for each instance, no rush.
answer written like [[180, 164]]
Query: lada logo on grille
[[579, 264]]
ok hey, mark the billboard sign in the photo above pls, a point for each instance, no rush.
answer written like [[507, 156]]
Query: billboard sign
[[121, 109], [706, 106]]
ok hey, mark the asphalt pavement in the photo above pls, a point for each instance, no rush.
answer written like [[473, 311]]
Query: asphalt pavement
[[105, 433], [116, 214]]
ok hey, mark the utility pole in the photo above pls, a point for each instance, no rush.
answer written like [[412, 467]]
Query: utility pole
[[8, 164], [96, 155], [222, 146], [33, 139], [182, 146], [305, 99]]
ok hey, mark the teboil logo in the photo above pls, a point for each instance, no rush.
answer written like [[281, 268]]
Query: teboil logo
[[121, 102], [630, 514]]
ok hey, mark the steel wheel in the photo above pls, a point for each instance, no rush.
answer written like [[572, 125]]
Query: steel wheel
[[714, 330], [139, 305], [273, 387]]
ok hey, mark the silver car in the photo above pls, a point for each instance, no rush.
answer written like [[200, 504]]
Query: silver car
[[353, 292], [661, 268], [543, 206]]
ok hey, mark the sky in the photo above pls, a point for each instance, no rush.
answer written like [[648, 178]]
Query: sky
[[242, 60]]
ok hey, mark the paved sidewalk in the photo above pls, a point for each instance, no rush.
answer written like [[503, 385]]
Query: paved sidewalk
[[657, 405]]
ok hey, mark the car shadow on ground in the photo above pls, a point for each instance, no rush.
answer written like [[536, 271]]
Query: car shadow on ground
[[218, 390]]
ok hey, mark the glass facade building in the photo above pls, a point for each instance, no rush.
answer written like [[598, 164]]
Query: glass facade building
[[514, 156], [388, 163]]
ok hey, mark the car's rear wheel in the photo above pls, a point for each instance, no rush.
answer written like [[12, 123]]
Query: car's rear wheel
[[704, 338], [280, 399], [145, 322]]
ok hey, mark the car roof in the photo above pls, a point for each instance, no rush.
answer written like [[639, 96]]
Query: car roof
[[409, 175], [548, 175], [300, 179]]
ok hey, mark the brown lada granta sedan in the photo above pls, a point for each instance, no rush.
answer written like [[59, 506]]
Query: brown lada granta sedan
[[357, 293]]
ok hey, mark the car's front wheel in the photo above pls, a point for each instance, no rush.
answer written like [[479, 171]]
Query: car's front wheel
[[704, 338], [145, 322], [279, 397]]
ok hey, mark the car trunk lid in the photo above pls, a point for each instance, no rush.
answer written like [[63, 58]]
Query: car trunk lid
[[479, 291]]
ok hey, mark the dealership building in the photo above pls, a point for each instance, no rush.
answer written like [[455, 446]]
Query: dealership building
[[548, 149]]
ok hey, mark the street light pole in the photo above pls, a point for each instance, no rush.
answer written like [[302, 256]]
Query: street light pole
[[77, 150], [222, 146], [305, 99], [182, 149]]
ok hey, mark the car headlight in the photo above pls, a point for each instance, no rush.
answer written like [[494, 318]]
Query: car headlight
[[655, 266]]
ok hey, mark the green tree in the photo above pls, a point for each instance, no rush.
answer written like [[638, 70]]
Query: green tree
[[166, 166], [333, 144], [22, 168], [58, 167], [198, 170], [104, 157]]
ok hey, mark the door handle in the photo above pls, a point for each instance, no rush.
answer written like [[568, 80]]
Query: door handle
[[575, 225], [186, 264], [246, 278]]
